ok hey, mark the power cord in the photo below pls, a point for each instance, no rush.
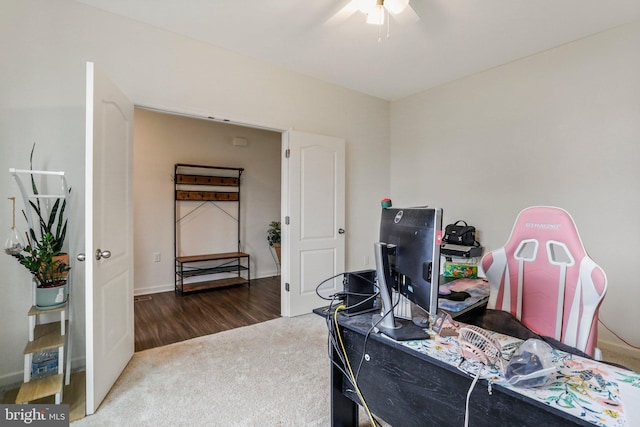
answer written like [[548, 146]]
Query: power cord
[[332, 337], [348, 364], [480, 367], [335, 338], [466, 408], [368, 334], [618, 336], [330, 297]]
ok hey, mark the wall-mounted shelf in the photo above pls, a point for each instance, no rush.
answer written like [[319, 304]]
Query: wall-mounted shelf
[[199, 272]]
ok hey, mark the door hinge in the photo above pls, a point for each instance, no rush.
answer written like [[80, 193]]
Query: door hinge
[[286, 287], [287, 153], [286, 220]]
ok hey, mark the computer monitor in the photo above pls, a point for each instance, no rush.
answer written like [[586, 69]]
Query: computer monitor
[[408, 260]]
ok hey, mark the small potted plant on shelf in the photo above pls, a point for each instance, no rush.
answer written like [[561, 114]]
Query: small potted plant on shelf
[[49, 271], [43, 255], [273, 237], [53, 227], [55, 223]]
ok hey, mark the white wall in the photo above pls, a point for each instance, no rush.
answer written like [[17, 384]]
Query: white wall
[[45, 45], [162, 140], [572, 112], [560, 128]]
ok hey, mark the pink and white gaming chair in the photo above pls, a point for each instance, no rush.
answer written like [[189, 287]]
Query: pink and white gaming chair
[[545, 278]]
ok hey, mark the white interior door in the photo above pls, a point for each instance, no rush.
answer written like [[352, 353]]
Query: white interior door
[[108, 235], [313, 200]]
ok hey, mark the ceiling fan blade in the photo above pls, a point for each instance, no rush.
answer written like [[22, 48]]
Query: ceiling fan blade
[[407, 16], [420, 8], [342, 14]]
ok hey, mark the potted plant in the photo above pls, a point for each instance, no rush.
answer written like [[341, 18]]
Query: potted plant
[[273, 237], [43, 256], [55, 223], [49, 272]]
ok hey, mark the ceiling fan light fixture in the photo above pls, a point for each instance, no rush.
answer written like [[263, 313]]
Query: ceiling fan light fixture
[[376, 16], [366, 6], [395, 6]]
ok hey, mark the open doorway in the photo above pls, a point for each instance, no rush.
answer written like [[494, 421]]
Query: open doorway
[[162, 140], [166, 317]]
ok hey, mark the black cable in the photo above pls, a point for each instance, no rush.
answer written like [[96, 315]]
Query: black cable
[[366, 300], [373, 327], [366, 337], [332, 340], [333, 343], [325, 281], [330, 297]]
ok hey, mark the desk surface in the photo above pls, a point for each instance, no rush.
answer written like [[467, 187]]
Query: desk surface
[[478, 290], [582, 388]]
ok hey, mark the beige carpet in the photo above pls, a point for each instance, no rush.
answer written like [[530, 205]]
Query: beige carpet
[[274, 373]]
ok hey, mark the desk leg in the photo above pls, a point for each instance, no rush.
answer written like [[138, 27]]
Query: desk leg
[[344, 411]]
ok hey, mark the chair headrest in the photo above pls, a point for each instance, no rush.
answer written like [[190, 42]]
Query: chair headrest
[[548, 228]]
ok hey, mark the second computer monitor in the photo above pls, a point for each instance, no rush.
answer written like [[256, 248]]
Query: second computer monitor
[[414, 261]]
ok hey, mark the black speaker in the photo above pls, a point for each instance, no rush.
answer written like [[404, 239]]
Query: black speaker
[[359, 287]]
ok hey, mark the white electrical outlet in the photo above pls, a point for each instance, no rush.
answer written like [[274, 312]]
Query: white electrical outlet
[[156, 257]]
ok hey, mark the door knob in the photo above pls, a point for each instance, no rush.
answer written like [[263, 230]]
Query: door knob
[[340, 230], [102, 254], [81, 257]]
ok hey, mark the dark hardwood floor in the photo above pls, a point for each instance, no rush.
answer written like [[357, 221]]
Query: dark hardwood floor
[[167, 317]]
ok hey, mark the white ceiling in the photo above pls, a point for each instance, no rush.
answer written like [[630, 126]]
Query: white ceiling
[[453, 38]]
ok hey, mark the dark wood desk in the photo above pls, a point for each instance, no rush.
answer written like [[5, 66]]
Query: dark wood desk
[[405, 387]]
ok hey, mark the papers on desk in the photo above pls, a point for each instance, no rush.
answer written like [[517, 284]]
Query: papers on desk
[[589, 390], [478, 290], [630, 398]]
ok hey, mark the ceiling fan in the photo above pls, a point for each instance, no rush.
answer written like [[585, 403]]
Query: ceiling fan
[[377, 11]]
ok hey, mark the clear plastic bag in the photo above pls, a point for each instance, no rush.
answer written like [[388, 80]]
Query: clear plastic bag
[[531, 365]]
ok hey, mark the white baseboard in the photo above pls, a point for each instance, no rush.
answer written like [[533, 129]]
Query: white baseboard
[[619, 348], [14, 379], [170, 287], [264, 274], [10, 381], [153, 289]]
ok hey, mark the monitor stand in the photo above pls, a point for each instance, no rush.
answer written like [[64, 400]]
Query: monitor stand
[[397, 329], [403, 330]]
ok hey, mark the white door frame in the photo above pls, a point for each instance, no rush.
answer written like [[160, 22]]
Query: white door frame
[[202, 115]]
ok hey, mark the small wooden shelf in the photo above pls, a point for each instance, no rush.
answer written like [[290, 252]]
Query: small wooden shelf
[[35, 310], [37, 389], [212, 264], [215, 181], [198, 271], [46, 337], [45, 340], [207, 196], [212, 284], [211, 257]]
